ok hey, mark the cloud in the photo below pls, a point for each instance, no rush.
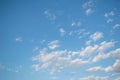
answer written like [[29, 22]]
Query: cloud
[[115, 67], [109, 14], [88, 50], [116, 26], [89, 11], [53, 44], [100, 56], [109, 20], [62, 31], [88, 4], [95, 78], [78, 63], [50, 15], [96, 36], [95, 69], [19, 39], [115, 53], [76, 23], [55, 61], [105, 46]]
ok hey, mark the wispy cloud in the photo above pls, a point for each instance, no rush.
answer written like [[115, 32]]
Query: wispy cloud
[[53, 44], [94, 78], [96, 36], [19, 39], [116, 26]]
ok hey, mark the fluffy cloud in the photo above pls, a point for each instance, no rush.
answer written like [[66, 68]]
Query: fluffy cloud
[[105, 46], [100, 56], [57, 60], [95, 69], [95, 78], [53, 44], [96, 36], [115, 67], [88, 50], [115, 53], [78, 63]]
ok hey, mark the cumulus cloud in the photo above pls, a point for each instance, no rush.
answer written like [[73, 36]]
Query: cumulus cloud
[[115, 53], [100, 56], [105, 46], [96, 36], [115, 67], [88, 50], [95, 69], [78, 63], [94, 78], [57, 60], [62, 31], [53, 44]]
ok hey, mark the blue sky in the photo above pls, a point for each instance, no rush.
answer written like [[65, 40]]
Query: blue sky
[[59, 39]]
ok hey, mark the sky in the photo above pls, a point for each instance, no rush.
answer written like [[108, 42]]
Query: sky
[[59, 39]]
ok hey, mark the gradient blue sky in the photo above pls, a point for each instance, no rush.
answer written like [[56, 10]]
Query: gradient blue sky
[[60, 40]]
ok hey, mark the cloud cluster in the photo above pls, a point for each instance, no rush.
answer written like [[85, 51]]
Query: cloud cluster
[[55, 60]]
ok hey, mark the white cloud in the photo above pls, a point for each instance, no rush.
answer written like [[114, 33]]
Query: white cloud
[[108, 69], [88, 50], [100, 56], [109, 14], [19, 39], [62, 31], [95, 69], [88, 11], [95, 78], [96, 36], [116, 26], [78, 63], [115, 67], [115, 53], [53, 44], [105, 46]]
